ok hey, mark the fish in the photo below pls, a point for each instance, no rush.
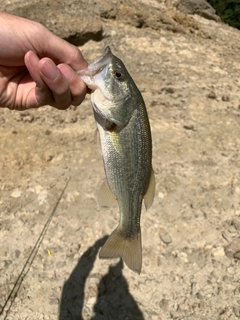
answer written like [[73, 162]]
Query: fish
[[125, 142]]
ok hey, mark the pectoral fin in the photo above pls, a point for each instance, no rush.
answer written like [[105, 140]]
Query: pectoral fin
[[98, 141], [149, 196], [105, 197]]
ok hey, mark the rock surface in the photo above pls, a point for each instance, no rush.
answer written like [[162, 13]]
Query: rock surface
[[79, 21], [187, 69], [200, 7]]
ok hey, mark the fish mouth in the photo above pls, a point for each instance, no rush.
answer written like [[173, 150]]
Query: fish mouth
[[97, 65]]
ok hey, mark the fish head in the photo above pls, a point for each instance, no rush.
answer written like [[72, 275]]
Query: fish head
[[110, 83]]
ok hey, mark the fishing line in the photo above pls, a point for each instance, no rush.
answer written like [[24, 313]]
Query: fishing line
[[13, 293]]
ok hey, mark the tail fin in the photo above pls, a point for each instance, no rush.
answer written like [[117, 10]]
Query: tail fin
[[120, 246]]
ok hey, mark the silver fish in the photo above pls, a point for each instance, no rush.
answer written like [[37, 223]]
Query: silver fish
[[126, 147]]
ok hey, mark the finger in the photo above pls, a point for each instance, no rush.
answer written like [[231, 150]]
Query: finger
[[56, 82], [31, 61], [61, 51], [77, 87], [58, 86], [40, 95]]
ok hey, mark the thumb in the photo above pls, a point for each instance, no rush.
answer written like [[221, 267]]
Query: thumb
[[61, 51]]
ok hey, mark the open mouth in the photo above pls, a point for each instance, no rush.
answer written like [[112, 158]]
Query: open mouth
[[98, 65]]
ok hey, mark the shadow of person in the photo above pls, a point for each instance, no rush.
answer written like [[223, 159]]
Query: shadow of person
[[114, 300], [72, 298]]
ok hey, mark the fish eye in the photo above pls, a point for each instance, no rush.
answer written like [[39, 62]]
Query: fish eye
[[118, 75]]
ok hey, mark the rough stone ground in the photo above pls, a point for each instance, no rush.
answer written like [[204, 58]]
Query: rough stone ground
[[191, 247]]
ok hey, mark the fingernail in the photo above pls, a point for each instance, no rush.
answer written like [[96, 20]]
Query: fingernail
[[49, 70], [33, 59], [67, 71]]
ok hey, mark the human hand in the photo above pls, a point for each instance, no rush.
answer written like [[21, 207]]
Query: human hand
[[37, 67]]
